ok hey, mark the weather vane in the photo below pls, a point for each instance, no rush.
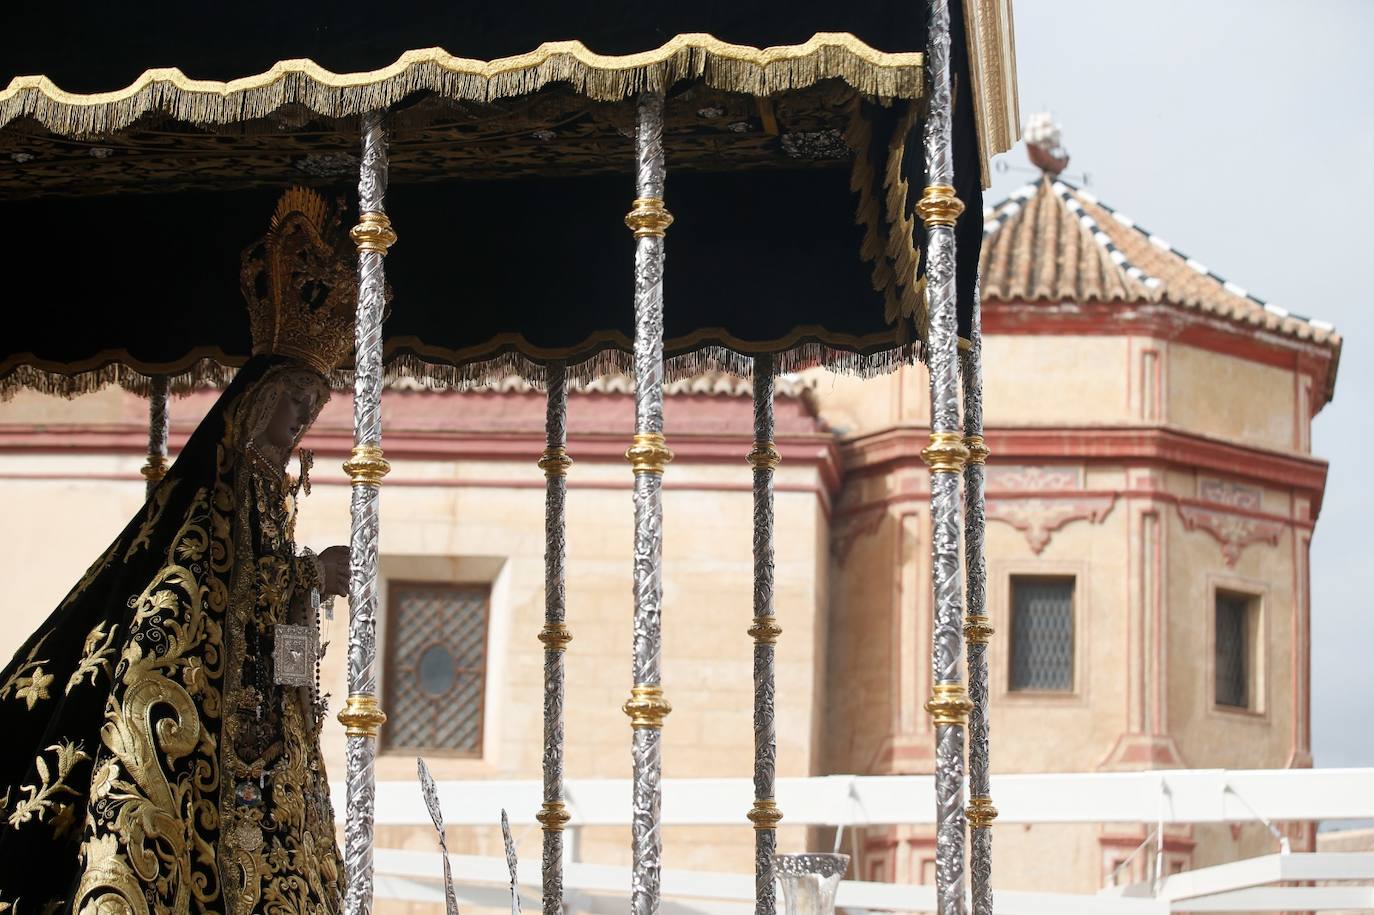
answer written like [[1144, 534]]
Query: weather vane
[[1045, 148]]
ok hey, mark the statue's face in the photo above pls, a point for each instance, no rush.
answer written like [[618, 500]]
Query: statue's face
[[290, 418]]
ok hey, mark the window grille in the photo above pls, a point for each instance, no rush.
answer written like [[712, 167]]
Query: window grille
[[1042, 633], [436, 657], [1233, 650]]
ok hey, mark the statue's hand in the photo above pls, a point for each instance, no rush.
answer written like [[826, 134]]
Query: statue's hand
[[335, 563]]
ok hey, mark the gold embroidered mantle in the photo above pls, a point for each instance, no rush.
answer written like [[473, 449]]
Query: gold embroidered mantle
[[129, 778]]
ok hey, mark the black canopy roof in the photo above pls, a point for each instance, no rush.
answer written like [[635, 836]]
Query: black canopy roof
[[792, 139]]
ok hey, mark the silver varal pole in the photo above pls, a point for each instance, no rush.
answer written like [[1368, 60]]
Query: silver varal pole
[[946, 455], [977, 628], [648, 456], [362, 716], [156, 467], [765, 630], [553, 816]]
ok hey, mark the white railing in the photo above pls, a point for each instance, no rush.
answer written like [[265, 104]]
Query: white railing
[[1172, 796], [1189, 796]]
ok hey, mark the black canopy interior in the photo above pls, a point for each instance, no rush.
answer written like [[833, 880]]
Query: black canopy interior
[[512, 249]]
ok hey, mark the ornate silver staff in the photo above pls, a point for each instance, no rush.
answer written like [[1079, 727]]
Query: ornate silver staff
[[436, 813], [946, 454], [765, 813], [512, 863], [555, 636], [362, 716], [648, 456], [977, 629], [156, 467]]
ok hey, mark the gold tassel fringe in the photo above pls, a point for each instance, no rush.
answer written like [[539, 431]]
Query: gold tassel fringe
[[719, 64]]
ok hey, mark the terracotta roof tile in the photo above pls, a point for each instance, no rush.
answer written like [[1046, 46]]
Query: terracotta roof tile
[[1053, 242]]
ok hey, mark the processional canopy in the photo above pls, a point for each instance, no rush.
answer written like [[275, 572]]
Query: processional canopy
[[141, 155]]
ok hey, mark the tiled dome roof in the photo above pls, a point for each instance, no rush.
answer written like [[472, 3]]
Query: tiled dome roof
[[1052, 242]]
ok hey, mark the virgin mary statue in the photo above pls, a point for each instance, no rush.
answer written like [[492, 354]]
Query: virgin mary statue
[[160, 733]]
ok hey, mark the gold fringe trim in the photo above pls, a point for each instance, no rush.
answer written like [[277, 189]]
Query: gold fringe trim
[[901, 231], [859, 137], [889, 239], [200, 374], [709, 359], [721, 65], [438, 376]]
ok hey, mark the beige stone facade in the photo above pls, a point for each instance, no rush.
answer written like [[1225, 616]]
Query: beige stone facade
[[1155, 452]]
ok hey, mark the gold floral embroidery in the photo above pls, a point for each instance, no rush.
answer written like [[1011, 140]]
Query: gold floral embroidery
[[34, 689], [97, 654], [22, 676], [44, 796], [29, 682], [156, 507]]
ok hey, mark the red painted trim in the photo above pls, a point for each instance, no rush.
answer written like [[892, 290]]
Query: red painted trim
[[888, 450], [1149, 496], [1159, 668], [819, 450], [615, 485]]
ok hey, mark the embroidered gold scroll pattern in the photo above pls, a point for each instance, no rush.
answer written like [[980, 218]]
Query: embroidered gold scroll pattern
[[152, 808]]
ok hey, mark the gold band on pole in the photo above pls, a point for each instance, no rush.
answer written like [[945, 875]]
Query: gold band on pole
[[938, 206], [764, 455], [649, 218], [366, 466], [649, 453], [555, 461], [980, 812], [765, 814], [647, 707], [362, 715], [949, 704], [765, 630], [555, 637], [978, 629], [373, 233], [946, 452], [978, 452], [156, 467], [553, 816]]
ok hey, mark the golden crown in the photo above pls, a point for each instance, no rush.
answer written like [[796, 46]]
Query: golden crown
[[301, 284]]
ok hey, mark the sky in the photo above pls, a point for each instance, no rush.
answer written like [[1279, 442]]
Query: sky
[[1243, 132]]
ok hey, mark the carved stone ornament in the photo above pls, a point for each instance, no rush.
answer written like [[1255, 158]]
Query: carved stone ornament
[[1233, 531], [1230, 493], [1039, 518], [1028, 478]]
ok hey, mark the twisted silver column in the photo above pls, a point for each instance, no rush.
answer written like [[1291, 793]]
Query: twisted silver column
[[553, 816], [765, 813], [945, 455], [362, 716], [977, 629], [156, 467], [648, 456]]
